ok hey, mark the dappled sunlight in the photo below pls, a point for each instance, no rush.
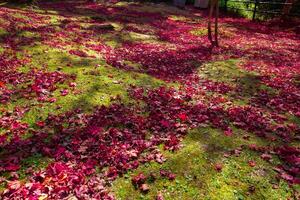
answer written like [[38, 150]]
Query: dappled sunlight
[[128, 100]]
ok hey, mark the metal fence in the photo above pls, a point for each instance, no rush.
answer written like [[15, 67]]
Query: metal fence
[[257, 7]]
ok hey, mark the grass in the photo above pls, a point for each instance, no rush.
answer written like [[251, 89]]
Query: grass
[[97, 82], [196, 177], [229, 72], [199, 32]]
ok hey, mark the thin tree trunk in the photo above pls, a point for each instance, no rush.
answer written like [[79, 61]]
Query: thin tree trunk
[[287, 8], [211, 8], [214, 9], [216, 23]]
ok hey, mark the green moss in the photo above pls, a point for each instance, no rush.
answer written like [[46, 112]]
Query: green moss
[[139, 37], [122, 4], [294, 119], [178, 18], [117, 38], [199, 32], [54, 19], [97, 82], [36, 161], [226, 71], [1, 50], [163, 9], [242, 9], [3, 32], [29, 34], [229, 72], [196, 177]]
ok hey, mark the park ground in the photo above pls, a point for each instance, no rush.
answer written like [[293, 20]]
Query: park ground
[[127, 100]]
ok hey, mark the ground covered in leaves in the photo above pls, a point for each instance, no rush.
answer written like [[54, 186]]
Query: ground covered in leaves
[[128, 101]]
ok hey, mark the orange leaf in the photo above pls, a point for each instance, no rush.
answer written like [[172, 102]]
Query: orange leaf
[[2, 84]]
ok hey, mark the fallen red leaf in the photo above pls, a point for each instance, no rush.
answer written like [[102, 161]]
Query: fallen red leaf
[[218, 167], [252, 163], [228, 132], [2, 84], [144, 188]]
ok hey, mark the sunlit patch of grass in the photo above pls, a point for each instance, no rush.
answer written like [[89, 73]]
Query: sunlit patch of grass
[[130, 37], [54, 19], [242, 9], [225, 71], [97, 83], [199, 32], [20, 15], [116, 39], [122, 4], [3, 32], [196, 177], [140, 37], [46, 12], [29, 34], [117, 26], [224, 31], [247, 82], [178, 18], [184, 18], [159, 8]]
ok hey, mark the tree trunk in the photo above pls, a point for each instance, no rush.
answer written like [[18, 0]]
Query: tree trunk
[[287, 8], [211, 8], [216, 23]]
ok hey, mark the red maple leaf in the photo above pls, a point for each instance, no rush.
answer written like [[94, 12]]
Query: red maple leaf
[[2, 85], [182, 116]]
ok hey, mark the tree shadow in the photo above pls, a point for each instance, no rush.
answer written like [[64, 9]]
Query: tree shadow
[[122, 126], [182, 58]]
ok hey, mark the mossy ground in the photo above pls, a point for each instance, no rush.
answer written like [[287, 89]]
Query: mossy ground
[[196, 177], [99, 84]]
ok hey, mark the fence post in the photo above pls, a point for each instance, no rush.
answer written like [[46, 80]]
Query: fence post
[[255, 9]]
